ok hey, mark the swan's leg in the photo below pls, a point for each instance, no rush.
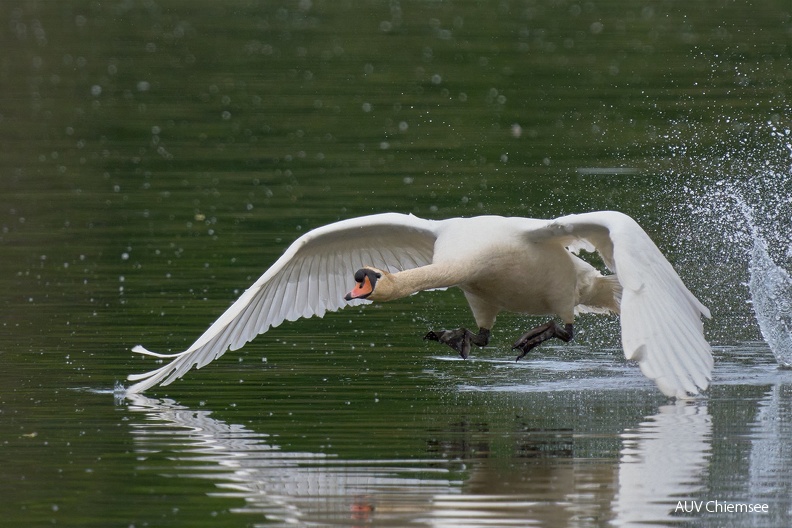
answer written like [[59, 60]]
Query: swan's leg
[[460, 339], [540, 334]]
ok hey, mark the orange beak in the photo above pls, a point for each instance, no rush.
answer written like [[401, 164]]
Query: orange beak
[[361, 290]]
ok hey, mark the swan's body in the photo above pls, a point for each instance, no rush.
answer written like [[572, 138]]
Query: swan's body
[[513, 264]]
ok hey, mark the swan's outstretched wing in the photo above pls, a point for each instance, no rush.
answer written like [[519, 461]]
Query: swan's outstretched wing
[[660, 319], [309, 279]]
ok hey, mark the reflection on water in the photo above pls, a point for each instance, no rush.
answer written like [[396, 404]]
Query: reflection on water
[[463, 481], [662, 460], [771, 455], [289, 487]]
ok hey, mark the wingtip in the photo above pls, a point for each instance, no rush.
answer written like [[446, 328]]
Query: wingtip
[[144, 381], [136, 388], [131, 391], [139, 349], [686, 389]]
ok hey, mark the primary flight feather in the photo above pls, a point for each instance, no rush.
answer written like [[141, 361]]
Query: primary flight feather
[[501, 264]]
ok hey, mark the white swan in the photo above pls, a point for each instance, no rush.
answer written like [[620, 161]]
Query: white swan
[[515, 264]]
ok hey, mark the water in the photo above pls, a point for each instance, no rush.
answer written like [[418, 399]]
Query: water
[[751, 214], [155, 158], [771, 294]]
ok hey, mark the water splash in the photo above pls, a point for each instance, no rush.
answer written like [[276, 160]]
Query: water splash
[[755, 224], [771, 296], [736, 225], [763, 197]]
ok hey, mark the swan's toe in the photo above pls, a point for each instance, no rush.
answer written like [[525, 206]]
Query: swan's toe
[[535, 337], [458, 339]]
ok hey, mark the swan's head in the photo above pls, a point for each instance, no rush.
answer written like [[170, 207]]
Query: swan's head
[[366, 279]]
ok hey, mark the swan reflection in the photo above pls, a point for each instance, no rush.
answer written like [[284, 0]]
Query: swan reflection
[[661, 459], [664, 461], [771, 457], [290, 487], [661, 462]]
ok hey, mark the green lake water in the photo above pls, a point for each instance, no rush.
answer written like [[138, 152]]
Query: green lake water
[[157, 156]]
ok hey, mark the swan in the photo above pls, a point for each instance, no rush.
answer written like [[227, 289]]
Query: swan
[[514, 264]]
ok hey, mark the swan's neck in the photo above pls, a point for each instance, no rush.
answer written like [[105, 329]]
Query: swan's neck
[[403, 283]]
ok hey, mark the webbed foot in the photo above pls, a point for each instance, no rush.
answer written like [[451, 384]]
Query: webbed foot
[[540, 334], [460, 339]]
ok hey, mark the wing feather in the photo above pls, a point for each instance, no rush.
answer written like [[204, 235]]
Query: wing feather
[[245, 321], [308, 280], [302, 290], [660, 318]]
